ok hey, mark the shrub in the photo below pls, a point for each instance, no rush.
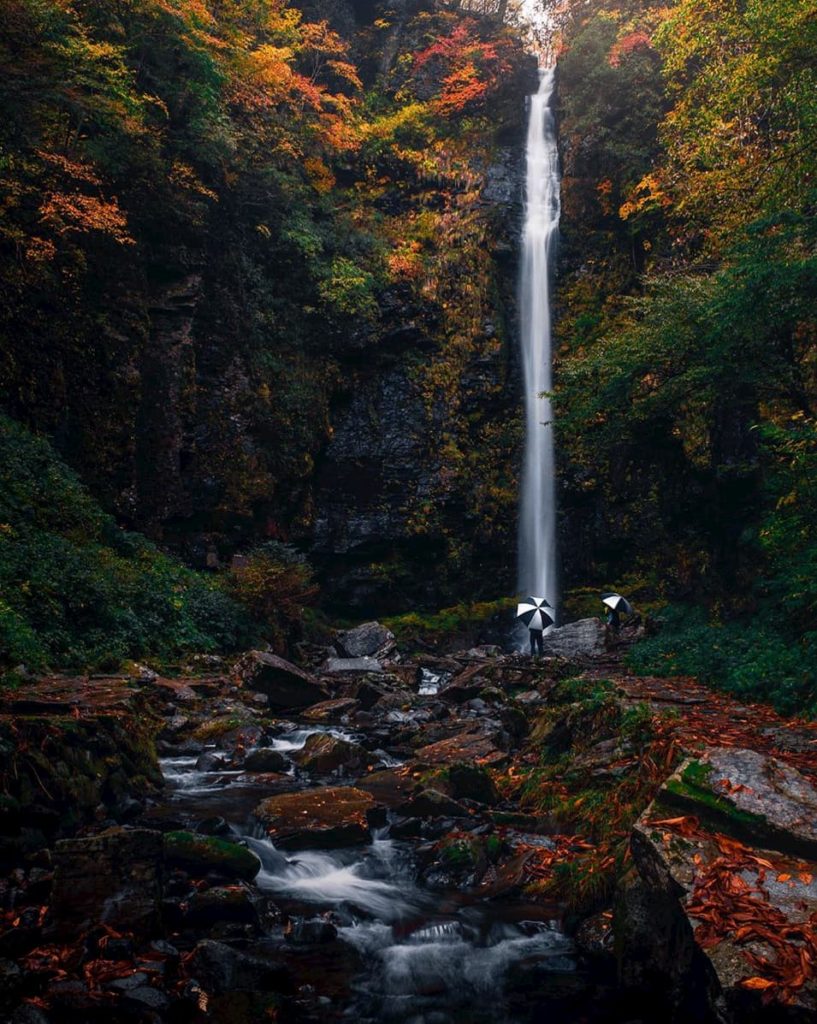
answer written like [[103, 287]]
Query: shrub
[[78, 592], [274, 582], [753, 659]]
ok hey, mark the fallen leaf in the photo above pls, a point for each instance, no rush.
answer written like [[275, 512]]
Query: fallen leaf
[[758, 984]]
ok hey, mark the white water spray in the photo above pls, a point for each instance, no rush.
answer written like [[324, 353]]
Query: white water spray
[[537, 517]]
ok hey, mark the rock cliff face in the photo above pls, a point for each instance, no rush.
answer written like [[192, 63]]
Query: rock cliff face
[[316, 349], [397, 486]]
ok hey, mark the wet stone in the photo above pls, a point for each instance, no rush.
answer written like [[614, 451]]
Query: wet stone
[[201, 854], [324, 818], [263, 759], [310, 931], [323, 754]]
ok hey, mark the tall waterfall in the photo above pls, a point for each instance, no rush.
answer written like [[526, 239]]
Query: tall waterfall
[[537, 520]]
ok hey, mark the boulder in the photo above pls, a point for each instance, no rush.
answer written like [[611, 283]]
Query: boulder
[[431, 803], [264, 759], [210, 761], [468, 782], [285, 685], [200, 855], [322, 818], [370, 691], [726, 893], [114, 878], [750, 795], [221, 904], [368, 640], [582, 639], [323, 754], [464, 686], [219, 968]]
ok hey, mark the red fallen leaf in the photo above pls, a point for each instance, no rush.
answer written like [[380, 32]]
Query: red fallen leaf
[[783, 877], [806, 878], [757, 984]]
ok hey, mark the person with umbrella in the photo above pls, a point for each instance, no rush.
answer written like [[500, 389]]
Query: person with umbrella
[[537, 615], [616, 607]]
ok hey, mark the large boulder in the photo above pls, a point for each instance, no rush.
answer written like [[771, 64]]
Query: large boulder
[[759, 798], [368, 640], [115, 878], [582, 639], [322, 818], [202, 854], [285, 685], [726, 894]]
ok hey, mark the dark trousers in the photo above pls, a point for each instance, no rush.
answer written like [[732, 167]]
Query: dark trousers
[[537, 642]]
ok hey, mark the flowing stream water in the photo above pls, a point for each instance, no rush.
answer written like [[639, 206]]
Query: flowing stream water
[[408, 950], [537, 518]]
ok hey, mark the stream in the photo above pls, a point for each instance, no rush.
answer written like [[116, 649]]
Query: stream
[[401, 951]]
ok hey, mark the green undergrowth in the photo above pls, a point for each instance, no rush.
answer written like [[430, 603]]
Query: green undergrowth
[[435, 627], [601, 763], [76, 591], [754, 659]]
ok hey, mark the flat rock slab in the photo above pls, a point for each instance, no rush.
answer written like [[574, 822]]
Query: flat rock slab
[[332, 710], [334, 666], [582, 639], [284, 684], [472, 747], [750, 795], [324, 818], [391, 788]]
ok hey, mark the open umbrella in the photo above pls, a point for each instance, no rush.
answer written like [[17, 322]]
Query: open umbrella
[[617, 603], [535, 612]]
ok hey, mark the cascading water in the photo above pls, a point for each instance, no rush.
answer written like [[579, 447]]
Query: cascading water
[[537, 519]]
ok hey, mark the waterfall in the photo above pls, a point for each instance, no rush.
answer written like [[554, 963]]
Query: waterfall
[[537, 516]]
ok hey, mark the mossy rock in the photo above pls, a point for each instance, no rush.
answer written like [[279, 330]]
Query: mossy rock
[[202, 854], [458, 854], [753, 797]]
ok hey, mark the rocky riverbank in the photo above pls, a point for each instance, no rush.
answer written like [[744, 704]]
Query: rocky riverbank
[[365, 829]]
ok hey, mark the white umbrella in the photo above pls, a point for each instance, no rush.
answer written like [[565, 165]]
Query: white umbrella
[[535, 612], [617, 603]]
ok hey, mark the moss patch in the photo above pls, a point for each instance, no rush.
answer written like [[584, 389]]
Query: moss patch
[[693, 786], [200, 854]]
